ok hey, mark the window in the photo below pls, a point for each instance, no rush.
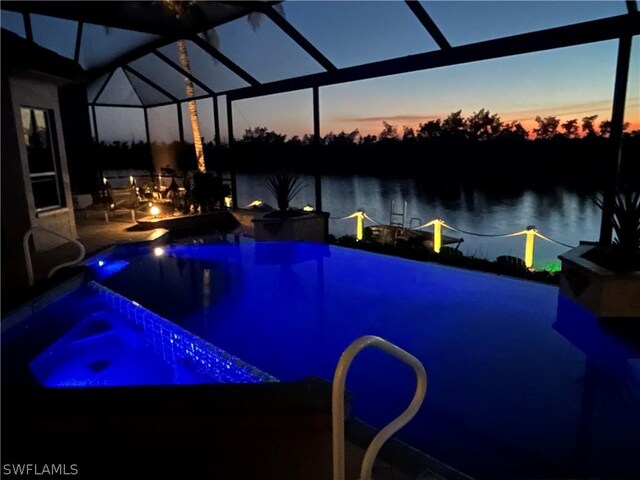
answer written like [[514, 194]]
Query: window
[[42, 156]]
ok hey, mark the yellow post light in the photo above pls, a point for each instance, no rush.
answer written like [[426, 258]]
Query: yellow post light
[[359, 216], [360, 226], [528, 248], [437, 232], [437, 235]]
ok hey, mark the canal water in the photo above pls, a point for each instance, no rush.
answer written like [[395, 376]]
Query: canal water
[[559, 214]]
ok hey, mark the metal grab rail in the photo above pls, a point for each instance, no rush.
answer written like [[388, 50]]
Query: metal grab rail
[[337, 403], [27, 253]]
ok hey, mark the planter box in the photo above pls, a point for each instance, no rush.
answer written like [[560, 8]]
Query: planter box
[[603, 292], [311, 227], [245, 217]]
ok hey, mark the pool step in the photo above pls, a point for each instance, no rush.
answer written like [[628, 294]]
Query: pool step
[[179, 346]]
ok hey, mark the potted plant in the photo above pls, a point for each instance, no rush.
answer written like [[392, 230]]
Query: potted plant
[[286, 223], [284, 186], [606, 280]]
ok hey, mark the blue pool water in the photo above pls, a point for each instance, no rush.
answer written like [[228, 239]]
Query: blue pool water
[[521, 382], [97, 338]]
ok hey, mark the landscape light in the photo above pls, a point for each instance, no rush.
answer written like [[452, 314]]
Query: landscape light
[[100, 263], [359, 216], [308, 208], [528, 247], [155, 211], [256, 203], [437, 235], [158, 251], [437, 232], [104, 180], [227, 201]]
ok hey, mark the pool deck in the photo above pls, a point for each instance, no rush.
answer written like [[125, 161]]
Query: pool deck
[[93, 232]]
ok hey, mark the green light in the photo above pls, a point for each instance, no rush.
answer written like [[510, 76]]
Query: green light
[[553, 267]]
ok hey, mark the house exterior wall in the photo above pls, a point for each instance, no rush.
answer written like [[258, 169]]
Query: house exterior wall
[[15, 212], [40, 91]]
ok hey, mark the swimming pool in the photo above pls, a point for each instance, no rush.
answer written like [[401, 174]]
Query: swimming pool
[[522, 383], [94, 337]]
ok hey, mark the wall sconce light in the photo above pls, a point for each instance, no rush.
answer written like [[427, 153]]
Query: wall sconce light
[[227, 201]]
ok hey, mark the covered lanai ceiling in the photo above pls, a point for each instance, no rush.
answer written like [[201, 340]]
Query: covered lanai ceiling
[[129, 55]]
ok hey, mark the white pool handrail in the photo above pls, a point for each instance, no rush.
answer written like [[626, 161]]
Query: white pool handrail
[[337, 400], [27, 253]]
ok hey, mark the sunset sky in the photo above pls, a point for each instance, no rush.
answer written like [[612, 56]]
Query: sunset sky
[[568, 83]]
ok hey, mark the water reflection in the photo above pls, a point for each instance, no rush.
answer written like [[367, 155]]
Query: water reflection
[[288, 283], [557, 213], [610, 386]]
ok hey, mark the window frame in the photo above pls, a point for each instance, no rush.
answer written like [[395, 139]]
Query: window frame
[[50, 124]]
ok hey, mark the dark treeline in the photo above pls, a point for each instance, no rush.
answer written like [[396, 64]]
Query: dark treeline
[[477, 151]]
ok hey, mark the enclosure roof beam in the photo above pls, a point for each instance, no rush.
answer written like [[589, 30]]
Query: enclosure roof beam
[[426, 21], [294, 34], [147, 17], [116, 105], [104, 85], [153, 105], [135, 90], [183, 72], [149, 82], [215, 53], [76, 51], [559, 37], [130, 56]]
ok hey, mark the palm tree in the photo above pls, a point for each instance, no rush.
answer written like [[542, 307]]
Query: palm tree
[[183, 56], [180, 8]]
